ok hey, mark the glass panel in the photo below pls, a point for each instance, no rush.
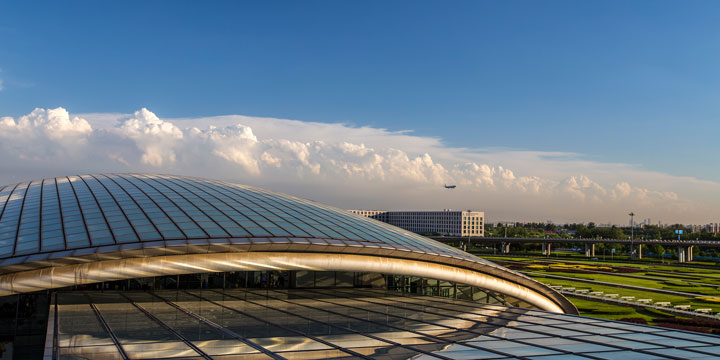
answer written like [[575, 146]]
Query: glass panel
[[321, 322]]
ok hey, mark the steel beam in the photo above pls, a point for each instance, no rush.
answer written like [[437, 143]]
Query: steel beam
[[508, 283]]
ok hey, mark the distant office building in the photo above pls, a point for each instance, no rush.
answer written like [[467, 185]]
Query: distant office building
[[713, 228], [457, 223], [380, 215]]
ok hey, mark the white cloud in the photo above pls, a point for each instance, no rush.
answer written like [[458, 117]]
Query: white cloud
[[54, 124], [156, 138], [44, 134], [350, 167], [236, 144]]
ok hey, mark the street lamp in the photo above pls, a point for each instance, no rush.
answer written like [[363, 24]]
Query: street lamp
[[632, 235]]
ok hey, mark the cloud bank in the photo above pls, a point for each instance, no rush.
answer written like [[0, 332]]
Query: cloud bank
[[351, 167]]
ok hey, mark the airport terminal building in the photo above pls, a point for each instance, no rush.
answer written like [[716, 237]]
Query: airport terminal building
[[139, 266]]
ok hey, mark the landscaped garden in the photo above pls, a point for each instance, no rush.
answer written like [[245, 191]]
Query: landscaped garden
[[665, 285]]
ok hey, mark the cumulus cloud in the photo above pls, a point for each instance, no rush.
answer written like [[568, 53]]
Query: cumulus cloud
[[348, 166], [236, 144], [44, 134], [54, 124], [156, 138]]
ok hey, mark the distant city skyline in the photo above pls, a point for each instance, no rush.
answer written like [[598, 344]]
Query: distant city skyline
[[559, 110]]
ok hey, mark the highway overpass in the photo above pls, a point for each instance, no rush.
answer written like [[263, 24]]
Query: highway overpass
[[684, 247], [663, 242]]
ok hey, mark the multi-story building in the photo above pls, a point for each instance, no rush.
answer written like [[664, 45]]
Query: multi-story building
[[457, 223], [713, 228], [380, 215]]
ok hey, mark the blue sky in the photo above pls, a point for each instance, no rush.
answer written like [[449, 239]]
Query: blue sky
[[633, 82]]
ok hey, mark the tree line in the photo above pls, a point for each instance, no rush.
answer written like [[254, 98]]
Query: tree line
[[591, 230]]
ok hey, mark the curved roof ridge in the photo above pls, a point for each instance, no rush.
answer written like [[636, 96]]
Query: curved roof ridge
[[116, 215]]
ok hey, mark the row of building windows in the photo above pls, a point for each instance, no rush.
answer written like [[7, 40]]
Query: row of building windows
[[459, 223]]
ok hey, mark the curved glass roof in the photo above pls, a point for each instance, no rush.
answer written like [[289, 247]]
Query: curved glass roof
[[91, 211], [76, 219], [345, 324]]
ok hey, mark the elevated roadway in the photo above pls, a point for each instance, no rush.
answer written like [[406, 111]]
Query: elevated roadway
[[483, 240], [684, 247]]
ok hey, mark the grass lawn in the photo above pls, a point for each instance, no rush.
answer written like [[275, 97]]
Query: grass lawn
[[638, 294], [711, 276], [651, 264], [682, 270], [608, 272], [672, 285], [616, 312]]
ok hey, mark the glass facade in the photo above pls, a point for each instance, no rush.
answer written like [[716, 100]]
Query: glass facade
[[348, 323], [23, 325]]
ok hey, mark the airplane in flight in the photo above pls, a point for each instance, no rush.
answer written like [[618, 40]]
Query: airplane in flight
[[450, 186]]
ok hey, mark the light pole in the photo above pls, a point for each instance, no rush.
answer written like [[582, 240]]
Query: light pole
[[632, 235]]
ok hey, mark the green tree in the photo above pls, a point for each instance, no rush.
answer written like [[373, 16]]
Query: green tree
[[658, 250]]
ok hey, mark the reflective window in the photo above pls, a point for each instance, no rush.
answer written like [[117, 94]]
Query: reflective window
[[315, 323]]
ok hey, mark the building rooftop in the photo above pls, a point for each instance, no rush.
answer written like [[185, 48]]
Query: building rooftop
[[344, 324], [89, 220]]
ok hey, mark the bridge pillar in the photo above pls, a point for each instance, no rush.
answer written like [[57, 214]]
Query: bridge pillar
[[689, 255], [588, 252], [505, 247], [546, 249], [639, 251], [681, 254]]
